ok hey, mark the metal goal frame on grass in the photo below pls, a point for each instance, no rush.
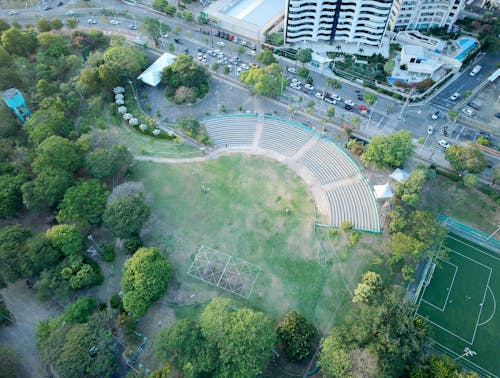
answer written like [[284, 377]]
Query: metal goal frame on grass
[[224, 271]]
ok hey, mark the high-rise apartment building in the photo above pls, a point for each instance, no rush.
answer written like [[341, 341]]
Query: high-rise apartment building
[[350, 21], [424, 14]]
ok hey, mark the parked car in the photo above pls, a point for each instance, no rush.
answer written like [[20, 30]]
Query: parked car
[[295, 86], [243, 42], [330, 100], [455, 96], [253, 46], [319, 95], [177, 40], [251, 52], [336, 97], [430, 130], [497, 115], [474, 105], [468, 111], [221, 44], [309, 86], [349, 103], [443, 143], [475, 70], [202, 50], [244, 66], [291, 70], [436, 114], [484, 135]]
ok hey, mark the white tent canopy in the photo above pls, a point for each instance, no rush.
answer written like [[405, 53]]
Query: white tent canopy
[[399, 175], [383, 191], [152, 75]]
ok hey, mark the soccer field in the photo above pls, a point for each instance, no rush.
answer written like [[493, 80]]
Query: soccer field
[[459, 303]]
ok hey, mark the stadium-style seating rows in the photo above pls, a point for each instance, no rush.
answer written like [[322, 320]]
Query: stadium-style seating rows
[[235, 131], [283, 137], [351, 200], [327, 163]]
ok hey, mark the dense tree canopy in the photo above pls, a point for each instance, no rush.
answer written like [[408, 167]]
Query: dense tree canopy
[[388, 151], [370, 289], [19, 42], [145, 280], [108, 161], [466, 158], [126, 59], [83, 203], [11, 363], [66, 238], [53, 45], [267, 81], [44, 123], [265, 57], [296, 333], [48, 187], [304, 55], [409, 191], [126, 214], [80, 310], [185, 72], [244, 337], [11, 199], [59, 153], [13, 252], [79, 350]]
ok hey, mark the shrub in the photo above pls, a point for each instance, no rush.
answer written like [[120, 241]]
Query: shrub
[[116, 302], [132, 244], [108, 252]]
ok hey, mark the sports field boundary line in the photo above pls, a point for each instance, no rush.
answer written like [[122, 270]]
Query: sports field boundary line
[[444, 329], [481, 305], [477, 249], [443, 308], [494, 308], [468, 258], [463, 359]]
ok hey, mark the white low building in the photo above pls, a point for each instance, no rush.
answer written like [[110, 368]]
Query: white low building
[[152, 74], [416, 60]]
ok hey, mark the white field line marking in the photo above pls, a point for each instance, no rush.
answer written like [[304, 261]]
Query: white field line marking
[[481, 307], [471, 246], [494, 308], [445, 329], [468, 361], [430, 304], [451, 286]]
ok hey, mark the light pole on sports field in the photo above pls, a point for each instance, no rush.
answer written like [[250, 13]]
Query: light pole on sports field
[[467, 352]]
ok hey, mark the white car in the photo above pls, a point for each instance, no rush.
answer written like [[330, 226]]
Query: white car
[[238, 70], [200, 56], [243, 42], [331, 100], [221, 44], [251, 52], [336, 97], [291, 70], [217, 51], [12, 12], [70, 12], [92, 22], [296, 81], [349, 103], [308, 86], [114, 22], [443, 143], [295, 86], [319, 95], [430, 130], [132, 27], [436, 115], [244, 66], [467, 111], [454, 96]]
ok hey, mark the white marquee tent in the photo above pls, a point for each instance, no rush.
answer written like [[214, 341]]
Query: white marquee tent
[[152, 75], [383, 191]]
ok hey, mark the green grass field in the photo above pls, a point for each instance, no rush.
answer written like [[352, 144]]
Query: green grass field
[[460, 304], [243, 215]]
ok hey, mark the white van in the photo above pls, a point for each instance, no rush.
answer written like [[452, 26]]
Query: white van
[[475, 70]]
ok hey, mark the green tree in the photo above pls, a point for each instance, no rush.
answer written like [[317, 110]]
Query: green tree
[[83, 203], [57, 152], [245, 338], [332, 83], [265, 57], [303, 72], [304, 55], [453, 114], [296, 333], [11, 363], [389, 67], [48, 187], [239, 50], [13, 252], [185, 72], [409, 191], [42, 254], [11, 199], [405, 246], [79, 350], [466, 158], [153, 27], [66, 238], [266, 81], [145, 280], [57, 24], [80, 310], [71, 23], [44, 123], [183, 342], [4, 25], [43, 25], [53, 45], [126, 59], [159, 5], [126, 214], [369, 98], [108, 161], [370, 289], [388, 151], [334, 357], [19, 42]]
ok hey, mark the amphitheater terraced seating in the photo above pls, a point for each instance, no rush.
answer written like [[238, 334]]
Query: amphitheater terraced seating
[[353, 202], [283, 137], [327, 163], [233, 131]]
